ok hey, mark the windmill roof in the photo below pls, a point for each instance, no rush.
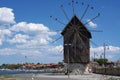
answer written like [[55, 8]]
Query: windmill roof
[[75, 22]]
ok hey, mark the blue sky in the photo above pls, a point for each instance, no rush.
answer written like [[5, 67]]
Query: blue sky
[[27, 30]]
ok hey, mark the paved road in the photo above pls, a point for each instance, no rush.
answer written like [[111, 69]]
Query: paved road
[[63, 77]]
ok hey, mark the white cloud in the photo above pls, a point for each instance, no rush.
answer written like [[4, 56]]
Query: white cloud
[[0, 42], [111, 52], [41, 52], [31, 27], [56, 49], [19, 38], [113, 48], [38, 33], [43, 41], [91, 24], [6, 16], [25, 52], [5, 32], [6, 51], [27, 39]]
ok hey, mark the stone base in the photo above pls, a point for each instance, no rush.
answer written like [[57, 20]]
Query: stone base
[[77, 68]]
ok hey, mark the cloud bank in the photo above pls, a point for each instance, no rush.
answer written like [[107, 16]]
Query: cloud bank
[[23, 38], [111, 52]]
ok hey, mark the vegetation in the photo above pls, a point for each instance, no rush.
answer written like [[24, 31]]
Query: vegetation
[[61, 64], [37, 66], [8, 66], [101, 61]]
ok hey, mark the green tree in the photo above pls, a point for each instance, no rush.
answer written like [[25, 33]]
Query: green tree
[[101, 61], [61, 64]]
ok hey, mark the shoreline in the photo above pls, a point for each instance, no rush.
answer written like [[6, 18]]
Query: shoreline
[[57, 77]]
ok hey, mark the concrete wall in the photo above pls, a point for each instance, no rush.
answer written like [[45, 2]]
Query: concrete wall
[[108, 71]]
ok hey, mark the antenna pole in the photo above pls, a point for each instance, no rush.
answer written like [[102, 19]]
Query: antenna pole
[[85, 12], [104, 45], [94, 56]]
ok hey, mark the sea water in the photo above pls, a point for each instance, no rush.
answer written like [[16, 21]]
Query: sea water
[[3, 72]]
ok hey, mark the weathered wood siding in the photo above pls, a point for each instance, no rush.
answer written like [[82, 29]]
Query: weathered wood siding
[[76, 34]]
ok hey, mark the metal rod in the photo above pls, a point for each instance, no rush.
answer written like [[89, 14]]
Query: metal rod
[[85, 12], [64, 12], [95, 30], [73, 7], [68, 46], [94, 43], [56, 39], [94, 56], [88, 39], [57, 20], [68, 62], [92, 19], [60, 21]]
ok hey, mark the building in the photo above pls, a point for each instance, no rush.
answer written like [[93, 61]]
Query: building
[[76, 45]]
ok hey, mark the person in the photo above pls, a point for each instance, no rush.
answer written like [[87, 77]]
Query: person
[[90, 70]]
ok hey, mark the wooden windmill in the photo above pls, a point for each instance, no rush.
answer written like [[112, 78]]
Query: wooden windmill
[[76, 34], [76, 40]]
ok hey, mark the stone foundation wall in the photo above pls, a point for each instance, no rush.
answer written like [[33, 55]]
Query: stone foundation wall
[[77, 68]]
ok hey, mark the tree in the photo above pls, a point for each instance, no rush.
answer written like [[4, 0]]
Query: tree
[[38, 63], [101, 61], [61, 64]]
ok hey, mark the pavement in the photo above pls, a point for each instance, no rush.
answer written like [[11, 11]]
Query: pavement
[[81, 77], [64, 77]]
